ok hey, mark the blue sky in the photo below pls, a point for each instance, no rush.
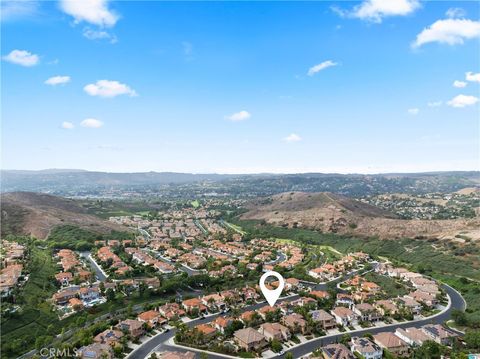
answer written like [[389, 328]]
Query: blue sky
[[241, 87]]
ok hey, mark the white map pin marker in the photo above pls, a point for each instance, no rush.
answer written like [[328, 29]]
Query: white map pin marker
[[271, 295]]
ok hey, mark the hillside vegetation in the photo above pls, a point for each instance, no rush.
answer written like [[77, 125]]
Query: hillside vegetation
[[36, 214], [334, 213]]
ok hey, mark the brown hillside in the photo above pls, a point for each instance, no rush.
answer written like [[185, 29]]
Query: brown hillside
[[329, 212], [36, 214]]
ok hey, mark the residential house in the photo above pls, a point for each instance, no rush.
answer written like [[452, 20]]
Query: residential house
[[392, 343], [267, 309], [319, 294], [89, 294], [345, 300], [222, 323], [343, 316], [249, 339], [295, 322], [213, 301], [194, 304], [337, 351], [75, 303], [386, 307], [171, 311], [366, 312], [64, 278], [439, 333], [366, 348], [423, 297], [370, 287], [412, 336], [63, 296], [291, 284], [152, 318], [132, 327], [110, 336], [207, 330], [96, 351], [275, 331], [247, 316], [327, 321], [410, 304]]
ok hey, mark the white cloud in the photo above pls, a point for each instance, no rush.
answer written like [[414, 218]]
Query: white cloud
[[413, 111], [92, 34], [57, 80], [460, 101], [448, 31], [470, 76], [376, 10], [91, 123], [18, 9], [95, 12], [455, 12], [67, 125], [22, 57], [239, 116], [459, 84], [106, 88], [293, 137], [322, 66], [434, 104]]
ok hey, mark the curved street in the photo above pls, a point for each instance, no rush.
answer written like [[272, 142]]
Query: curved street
[[160, 341]]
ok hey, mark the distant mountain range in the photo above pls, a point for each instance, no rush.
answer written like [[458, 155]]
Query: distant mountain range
[[65, 182]]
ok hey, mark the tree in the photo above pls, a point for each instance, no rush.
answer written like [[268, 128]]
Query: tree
[[346, 338], [102, 288], [232, 328], [472, 339], [289, 356], [276, 345], [118, 349], [459, 317], [429, 350], [110, 294]]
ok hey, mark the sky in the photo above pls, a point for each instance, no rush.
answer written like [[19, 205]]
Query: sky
[[372, 86]]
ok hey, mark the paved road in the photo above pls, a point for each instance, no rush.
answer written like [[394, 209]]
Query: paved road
[[160, 341], [183, 268], [457, 302], [98, 271], [281, 258]]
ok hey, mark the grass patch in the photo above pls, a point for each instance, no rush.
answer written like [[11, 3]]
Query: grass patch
[[389, 285], [195, 204]]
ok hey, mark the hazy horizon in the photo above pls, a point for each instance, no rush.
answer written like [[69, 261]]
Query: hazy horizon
[[66, 170]]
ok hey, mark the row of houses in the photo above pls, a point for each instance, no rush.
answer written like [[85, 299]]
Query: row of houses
[[398, 343], [108, 258], [72, 268], [141, 257], [11, 259], [426, 291], [329, 271]]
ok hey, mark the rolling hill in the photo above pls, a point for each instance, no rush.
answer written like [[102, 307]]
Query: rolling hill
[[334, 213], [36, 214]]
